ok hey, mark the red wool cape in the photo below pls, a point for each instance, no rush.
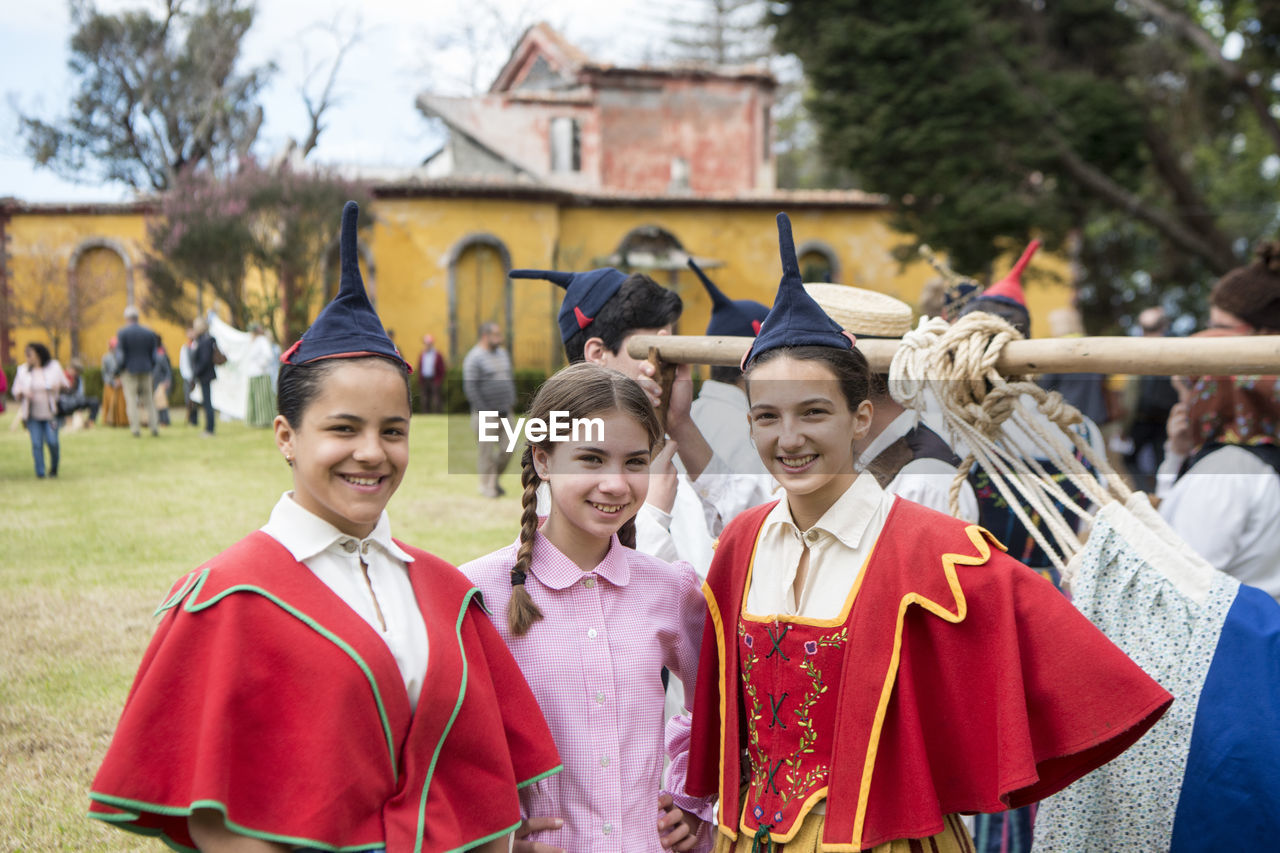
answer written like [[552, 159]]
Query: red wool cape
[[264, 696], [970, 685]]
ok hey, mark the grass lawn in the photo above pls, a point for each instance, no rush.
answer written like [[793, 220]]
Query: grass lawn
[[89, 555]]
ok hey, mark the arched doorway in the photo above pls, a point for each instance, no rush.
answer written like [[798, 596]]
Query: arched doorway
[[99, 287], [479, 290], [818, 262]]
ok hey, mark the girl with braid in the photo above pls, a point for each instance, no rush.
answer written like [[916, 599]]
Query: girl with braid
[[592, 622]]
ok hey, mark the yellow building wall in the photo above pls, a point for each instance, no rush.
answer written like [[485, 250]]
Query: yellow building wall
[[419, 250], [414, 242], [41, 247]]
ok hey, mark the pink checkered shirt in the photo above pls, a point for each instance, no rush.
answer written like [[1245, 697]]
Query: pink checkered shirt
[[594, 663]]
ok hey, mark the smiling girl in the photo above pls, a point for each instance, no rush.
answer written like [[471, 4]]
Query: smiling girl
[[870, 667], [321, 685], [592, 622]]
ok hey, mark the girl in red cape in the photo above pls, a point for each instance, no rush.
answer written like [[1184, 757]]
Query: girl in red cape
[[319, 684], [872, 668]]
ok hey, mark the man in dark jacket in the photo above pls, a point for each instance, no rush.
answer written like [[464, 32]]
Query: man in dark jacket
[[137, 346], [203, 371]]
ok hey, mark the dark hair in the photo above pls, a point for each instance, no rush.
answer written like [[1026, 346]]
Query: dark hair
[[725, 373], [1252, 292], [640, 303], [1013, 314], [299, 384], [849, 366], [41, 351], [581, 390]]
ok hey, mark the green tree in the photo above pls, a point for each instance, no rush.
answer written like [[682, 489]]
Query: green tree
[[1122, 128], [158, 95]]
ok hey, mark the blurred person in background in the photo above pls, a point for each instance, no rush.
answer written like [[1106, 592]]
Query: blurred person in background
[[1220, 480], [188, 378], [1146, 405], [203, 370], [162, 384], [260, 409], [74, 401], [36, 387], [113, 407], [431, 376], [137, 361]]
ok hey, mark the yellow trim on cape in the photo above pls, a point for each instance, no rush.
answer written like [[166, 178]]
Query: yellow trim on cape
[[713, 610], [978, 536]]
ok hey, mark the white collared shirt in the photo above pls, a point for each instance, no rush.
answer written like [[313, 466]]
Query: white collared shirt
[[1225, 507], [720, 413], [839, 545], [335, 559], [925, 481]]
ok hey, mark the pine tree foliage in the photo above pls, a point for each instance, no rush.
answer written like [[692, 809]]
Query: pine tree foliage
[[1142, 132]]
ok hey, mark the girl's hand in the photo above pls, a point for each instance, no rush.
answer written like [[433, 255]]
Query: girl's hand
[[678, 830], [536, 824], [663, 478]]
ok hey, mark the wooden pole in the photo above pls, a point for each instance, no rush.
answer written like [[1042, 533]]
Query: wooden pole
[[1224, 356]]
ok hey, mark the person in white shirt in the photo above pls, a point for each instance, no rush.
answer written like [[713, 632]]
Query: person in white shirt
[[259, 367], [1220, 478]]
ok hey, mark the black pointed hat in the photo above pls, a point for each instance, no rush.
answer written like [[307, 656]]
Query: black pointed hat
[[795, 319], [730, 317], [585, 294], [347, 327]]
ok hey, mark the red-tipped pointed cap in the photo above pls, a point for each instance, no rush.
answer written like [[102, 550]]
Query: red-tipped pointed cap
[[1010, 287]]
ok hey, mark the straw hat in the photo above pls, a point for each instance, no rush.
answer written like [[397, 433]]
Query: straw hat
[[865, 313]]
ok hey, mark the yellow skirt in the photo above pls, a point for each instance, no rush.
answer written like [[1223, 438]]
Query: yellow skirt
[[113, 407], [954, 838]]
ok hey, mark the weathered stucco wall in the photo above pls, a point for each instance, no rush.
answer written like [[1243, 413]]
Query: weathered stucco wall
[[441, 262]]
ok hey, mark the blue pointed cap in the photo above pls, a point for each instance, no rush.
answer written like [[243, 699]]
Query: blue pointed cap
[[730, 317], [795, 320], [347, 327], [585, 294]]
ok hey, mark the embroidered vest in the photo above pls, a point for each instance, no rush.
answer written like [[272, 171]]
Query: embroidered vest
[[790, 674]]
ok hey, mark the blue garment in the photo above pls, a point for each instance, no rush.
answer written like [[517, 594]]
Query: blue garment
[[1231, 790], [42, 433]]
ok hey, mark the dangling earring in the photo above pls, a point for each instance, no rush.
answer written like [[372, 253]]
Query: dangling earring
[[288, 459]]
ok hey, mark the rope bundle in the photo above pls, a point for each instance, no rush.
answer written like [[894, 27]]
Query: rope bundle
[[952, 367]]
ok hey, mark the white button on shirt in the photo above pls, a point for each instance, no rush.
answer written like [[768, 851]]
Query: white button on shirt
[[335, 559]]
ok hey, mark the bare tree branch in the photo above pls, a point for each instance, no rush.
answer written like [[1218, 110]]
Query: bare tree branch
[[319, 105]]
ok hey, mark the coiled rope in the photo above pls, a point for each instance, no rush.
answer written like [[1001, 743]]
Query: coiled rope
[[951, 368]]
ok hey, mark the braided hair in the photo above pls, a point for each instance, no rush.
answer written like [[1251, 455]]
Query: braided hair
[[582, 390]]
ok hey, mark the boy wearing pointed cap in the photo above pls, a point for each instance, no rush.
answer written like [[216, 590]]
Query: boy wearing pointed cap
[[319, 684], [602, 308]]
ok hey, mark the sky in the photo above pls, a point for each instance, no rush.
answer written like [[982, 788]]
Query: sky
[[406, 47]]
